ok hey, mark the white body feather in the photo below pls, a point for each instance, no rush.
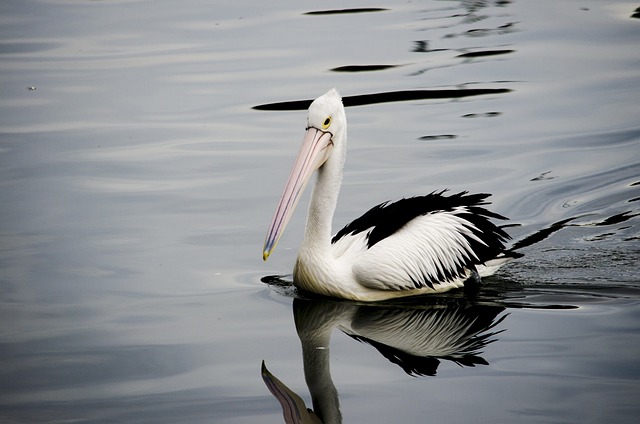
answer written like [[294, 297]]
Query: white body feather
[[427, 245]]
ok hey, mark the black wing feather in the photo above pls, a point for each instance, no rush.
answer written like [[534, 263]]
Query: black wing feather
[[387, 218]]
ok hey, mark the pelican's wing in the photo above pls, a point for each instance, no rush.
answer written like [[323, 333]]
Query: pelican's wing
[[429, 241]]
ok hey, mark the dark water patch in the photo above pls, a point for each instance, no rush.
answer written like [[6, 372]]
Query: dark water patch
[[482, 115], [346, 11], [363, 68], [543, 177], [437, 137], [551, 306], [485, 32], [283, 285], [540, 235], [544, 233], [616, 219], [422, 46], [484, 53], [278, 280], [601, 237], [389, 97]]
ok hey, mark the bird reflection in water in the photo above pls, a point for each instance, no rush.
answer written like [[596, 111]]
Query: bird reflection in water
[[416, 337]]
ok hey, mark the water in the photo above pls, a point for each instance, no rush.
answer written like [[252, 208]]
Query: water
[[137, 181]]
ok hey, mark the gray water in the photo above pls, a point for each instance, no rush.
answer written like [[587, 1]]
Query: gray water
[[138, 179]]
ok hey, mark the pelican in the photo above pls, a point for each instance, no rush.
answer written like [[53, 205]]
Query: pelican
[[415, 246]]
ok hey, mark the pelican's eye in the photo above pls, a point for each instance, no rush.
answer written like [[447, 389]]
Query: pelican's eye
[[327, 123]]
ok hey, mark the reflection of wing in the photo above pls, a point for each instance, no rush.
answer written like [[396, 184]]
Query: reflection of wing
[[416, 339], [293, 407], [411, 364], [446, 331]]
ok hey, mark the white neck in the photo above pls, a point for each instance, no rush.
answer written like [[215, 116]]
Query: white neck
[[324, 198]]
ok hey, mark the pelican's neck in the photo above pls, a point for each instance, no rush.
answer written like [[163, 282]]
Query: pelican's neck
[[324, 198], [315, 320]]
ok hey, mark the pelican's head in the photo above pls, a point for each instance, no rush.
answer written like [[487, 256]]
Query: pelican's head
[[326, 126], [326, 113]]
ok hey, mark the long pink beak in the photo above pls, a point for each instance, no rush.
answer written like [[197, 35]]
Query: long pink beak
[[316, 148]]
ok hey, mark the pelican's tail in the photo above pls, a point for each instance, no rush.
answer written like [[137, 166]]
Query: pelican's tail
[[491, 266]]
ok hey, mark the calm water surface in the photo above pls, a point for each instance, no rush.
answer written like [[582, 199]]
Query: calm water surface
[[137, 181]]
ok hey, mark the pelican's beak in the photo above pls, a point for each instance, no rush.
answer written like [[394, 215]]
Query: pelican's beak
[[316, 148]]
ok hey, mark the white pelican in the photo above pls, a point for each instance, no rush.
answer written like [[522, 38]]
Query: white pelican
[[418, 245]]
